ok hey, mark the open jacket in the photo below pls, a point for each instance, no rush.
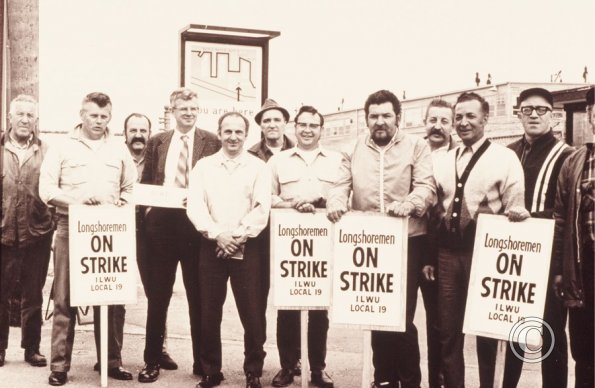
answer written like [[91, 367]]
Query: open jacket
[[24, 215], [567, 240]]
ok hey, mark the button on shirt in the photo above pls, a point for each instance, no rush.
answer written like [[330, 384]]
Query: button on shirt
[[73, 168], [293, 176], [229, 195], [173, 155]]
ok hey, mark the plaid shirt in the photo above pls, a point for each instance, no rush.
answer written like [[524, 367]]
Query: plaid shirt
[[588, 194]]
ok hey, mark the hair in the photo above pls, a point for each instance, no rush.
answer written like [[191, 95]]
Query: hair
[[232, 114], [470, 96], [182, 94], [312, 110], [380, 97], [440, 103], [23, 98], [100, 99], [139, 115]]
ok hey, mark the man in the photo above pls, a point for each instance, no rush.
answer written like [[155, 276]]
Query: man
[[229, 203], [390, 172], [439, 124], [272, 119], [301, 178], [89, 168], [541, 156], [476, 177], [137, 130], [27, 228], [171, 237], [573, 250]]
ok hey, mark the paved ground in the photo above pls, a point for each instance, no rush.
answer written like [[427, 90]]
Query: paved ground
[[344, 359]]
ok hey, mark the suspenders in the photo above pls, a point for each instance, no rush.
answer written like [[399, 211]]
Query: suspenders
[[455, 224]]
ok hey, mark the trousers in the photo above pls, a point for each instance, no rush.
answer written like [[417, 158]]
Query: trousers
[[28, 265]]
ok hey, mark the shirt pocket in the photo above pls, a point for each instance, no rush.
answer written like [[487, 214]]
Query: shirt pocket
[[75, 172], [113, 171], [288, 183]]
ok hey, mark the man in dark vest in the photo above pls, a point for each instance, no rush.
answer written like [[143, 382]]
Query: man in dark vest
[[541, 156]]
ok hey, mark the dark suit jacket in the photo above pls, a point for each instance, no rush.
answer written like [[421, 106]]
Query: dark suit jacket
[[205, 144]]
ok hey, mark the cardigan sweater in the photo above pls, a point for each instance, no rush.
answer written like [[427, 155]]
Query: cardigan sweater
[[495, 184]]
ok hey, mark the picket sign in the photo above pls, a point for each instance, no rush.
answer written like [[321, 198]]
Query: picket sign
[[103, 271], [357, 267], [508, 282]]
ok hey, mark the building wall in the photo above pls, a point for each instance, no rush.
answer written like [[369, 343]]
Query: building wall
[[503, 126]]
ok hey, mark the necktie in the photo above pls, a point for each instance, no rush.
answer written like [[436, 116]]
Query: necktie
[[464, 159], [182, 170]]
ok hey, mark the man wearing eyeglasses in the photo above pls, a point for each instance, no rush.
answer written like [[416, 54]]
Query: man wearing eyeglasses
[[390, 172], [171, 237], [301, 179], [541, 156]]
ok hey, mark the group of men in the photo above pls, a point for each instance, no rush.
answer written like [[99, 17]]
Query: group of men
[[220, 232]]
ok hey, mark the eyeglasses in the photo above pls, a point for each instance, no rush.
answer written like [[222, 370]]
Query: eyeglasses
[[187, 109], [541, 110], [306, 125]]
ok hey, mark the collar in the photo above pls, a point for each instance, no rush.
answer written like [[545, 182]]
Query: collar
[[16, 144], [77, 133], [397, 137], [221, 158], [318, 151], [190, 133], [475, 146], [541, 141]]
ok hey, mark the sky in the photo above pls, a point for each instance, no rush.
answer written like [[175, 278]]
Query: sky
[[328, 51]]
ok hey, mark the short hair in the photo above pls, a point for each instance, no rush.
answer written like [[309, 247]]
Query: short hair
[[100, 99], [185, 94], [139, 115], [232, 114], [380, 97], [23, 98], [440, 103], [470, 96], [311, 110]]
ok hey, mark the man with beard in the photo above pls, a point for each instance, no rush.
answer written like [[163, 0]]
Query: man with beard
[[137, 130], [88, 168], [573, 249], [390, 172], [541, 156], [476, 177], [171, 237], [27, 228]]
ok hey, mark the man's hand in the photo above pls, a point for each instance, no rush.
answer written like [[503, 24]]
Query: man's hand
[[400, 209], [227, 243], [306, 208], [558, 286], [428, 272], [120, 202], [518, 213], [335, 212], [92, 200]]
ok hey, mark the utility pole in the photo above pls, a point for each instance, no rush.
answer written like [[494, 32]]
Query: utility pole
[[22, 47]]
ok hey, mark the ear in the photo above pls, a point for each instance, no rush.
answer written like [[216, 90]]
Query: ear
[[82, 113]]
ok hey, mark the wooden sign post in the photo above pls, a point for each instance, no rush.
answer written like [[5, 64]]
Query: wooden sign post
[[301, 267], [102, 247], [508, 280], [370, 275]]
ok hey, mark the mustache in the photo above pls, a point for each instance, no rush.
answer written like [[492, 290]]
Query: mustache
[[435, 131], [138, 140]]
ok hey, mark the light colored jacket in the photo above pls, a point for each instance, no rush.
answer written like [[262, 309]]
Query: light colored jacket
[[377, 177]]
